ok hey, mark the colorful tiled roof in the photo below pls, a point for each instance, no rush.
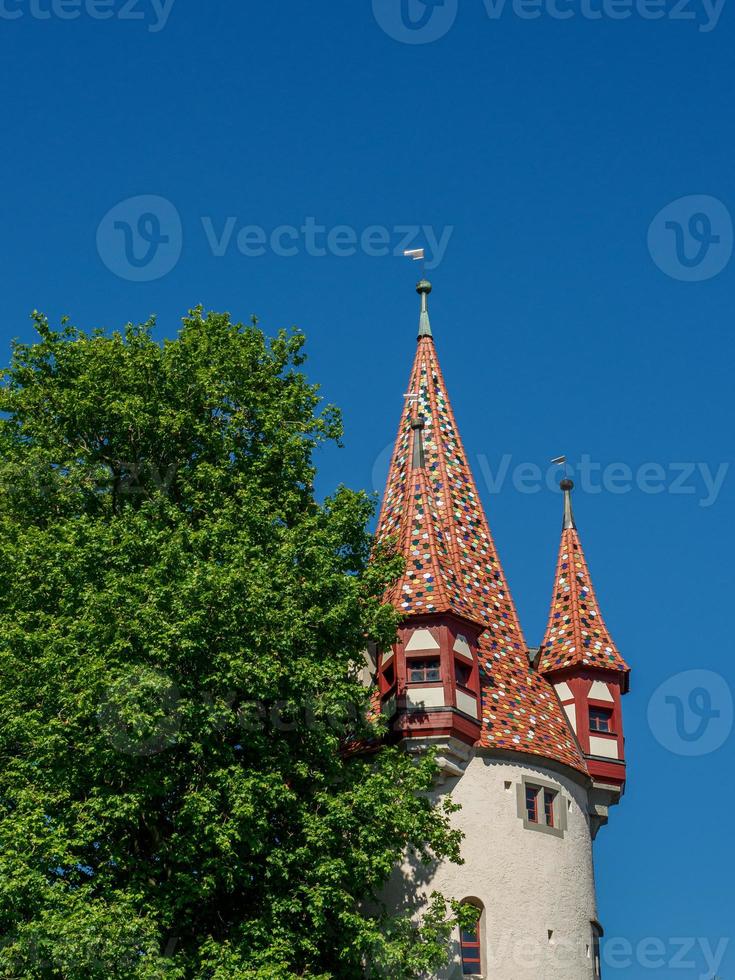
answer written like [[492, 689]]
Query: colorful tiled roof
[[576, 634], [520, 709], [434, 513]]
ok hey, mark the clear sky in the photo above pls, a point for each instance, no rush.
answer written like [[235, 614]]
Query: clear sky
[[537, 143]]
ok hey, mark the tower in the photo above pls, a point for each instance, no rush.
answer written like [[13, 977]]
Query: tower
[[580, 659], [514, 744]]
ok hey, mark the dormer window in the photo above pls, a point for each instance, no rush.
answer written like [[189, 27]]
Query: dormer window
[[424, 671], [601, 720]]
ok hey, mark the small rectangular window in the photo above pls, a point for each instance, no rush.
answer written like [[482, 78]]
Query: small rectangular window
[[424, 671], [541, 807], [549, 801], [600, 720]]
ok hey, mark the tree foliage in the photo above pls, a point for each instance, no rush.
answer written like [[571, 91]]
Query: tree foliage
[[180, 621]]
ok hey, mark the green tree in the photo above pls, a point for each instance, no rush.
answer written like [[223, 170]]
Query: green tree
[[180, 622]]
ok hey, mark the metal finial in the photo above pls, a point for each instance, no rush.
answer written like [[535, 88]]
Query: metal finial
[[567, 486], [423, 288]]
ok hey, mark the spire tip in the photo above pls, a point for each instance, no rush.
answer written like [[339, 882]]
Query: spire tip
[[423, 288], [567, 486]]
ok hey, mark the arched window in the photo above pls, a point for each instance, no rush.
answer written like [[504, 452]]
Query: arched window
[[471, 943]]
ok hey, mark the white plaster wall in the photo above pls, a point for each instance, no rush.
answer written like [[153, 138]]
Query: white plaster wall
[[426, 697], [605, 747], [529, 882], [467, 704]]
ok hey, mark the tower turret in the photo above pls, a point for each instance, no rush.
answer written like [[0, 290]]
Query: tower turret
[[581, 660]]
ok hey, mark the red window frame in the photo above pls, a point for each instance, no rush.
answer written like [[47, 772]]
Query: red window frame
[[549, 801], [600, 717], [470, 947], [532, 803], [424, 666]]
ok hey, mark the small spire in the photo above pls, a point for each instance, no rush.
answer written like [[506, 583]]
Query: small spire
[[567, 486], [423, 288], [576, 634]]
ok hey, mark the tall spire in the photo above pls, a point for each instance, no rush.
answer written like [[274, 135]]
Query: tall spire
[[423, 288], [435, 512], [432, 510], [576, 634]]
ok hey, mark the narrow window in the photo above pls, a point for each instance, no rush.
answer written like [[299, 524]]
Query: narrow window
[[424, 671], [549, 801], [596, 935], [462, 673], [532, 803], [600, 720], [470, 946]]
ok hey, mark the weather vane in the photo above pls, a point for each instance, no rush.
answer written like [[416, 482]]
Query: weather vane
[[561, 461], [417, 255]]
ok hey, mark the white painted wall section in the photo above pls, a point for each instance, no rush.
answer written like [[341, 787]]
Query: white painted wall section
[[421, 640], [606, 747], [529, 882], [466, 703], [428, 697], [600, 692], [462, 646], [564, 691]]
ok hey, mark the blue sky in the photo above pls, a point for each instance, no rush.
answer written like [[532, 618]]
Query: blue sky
[[572, 313]]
